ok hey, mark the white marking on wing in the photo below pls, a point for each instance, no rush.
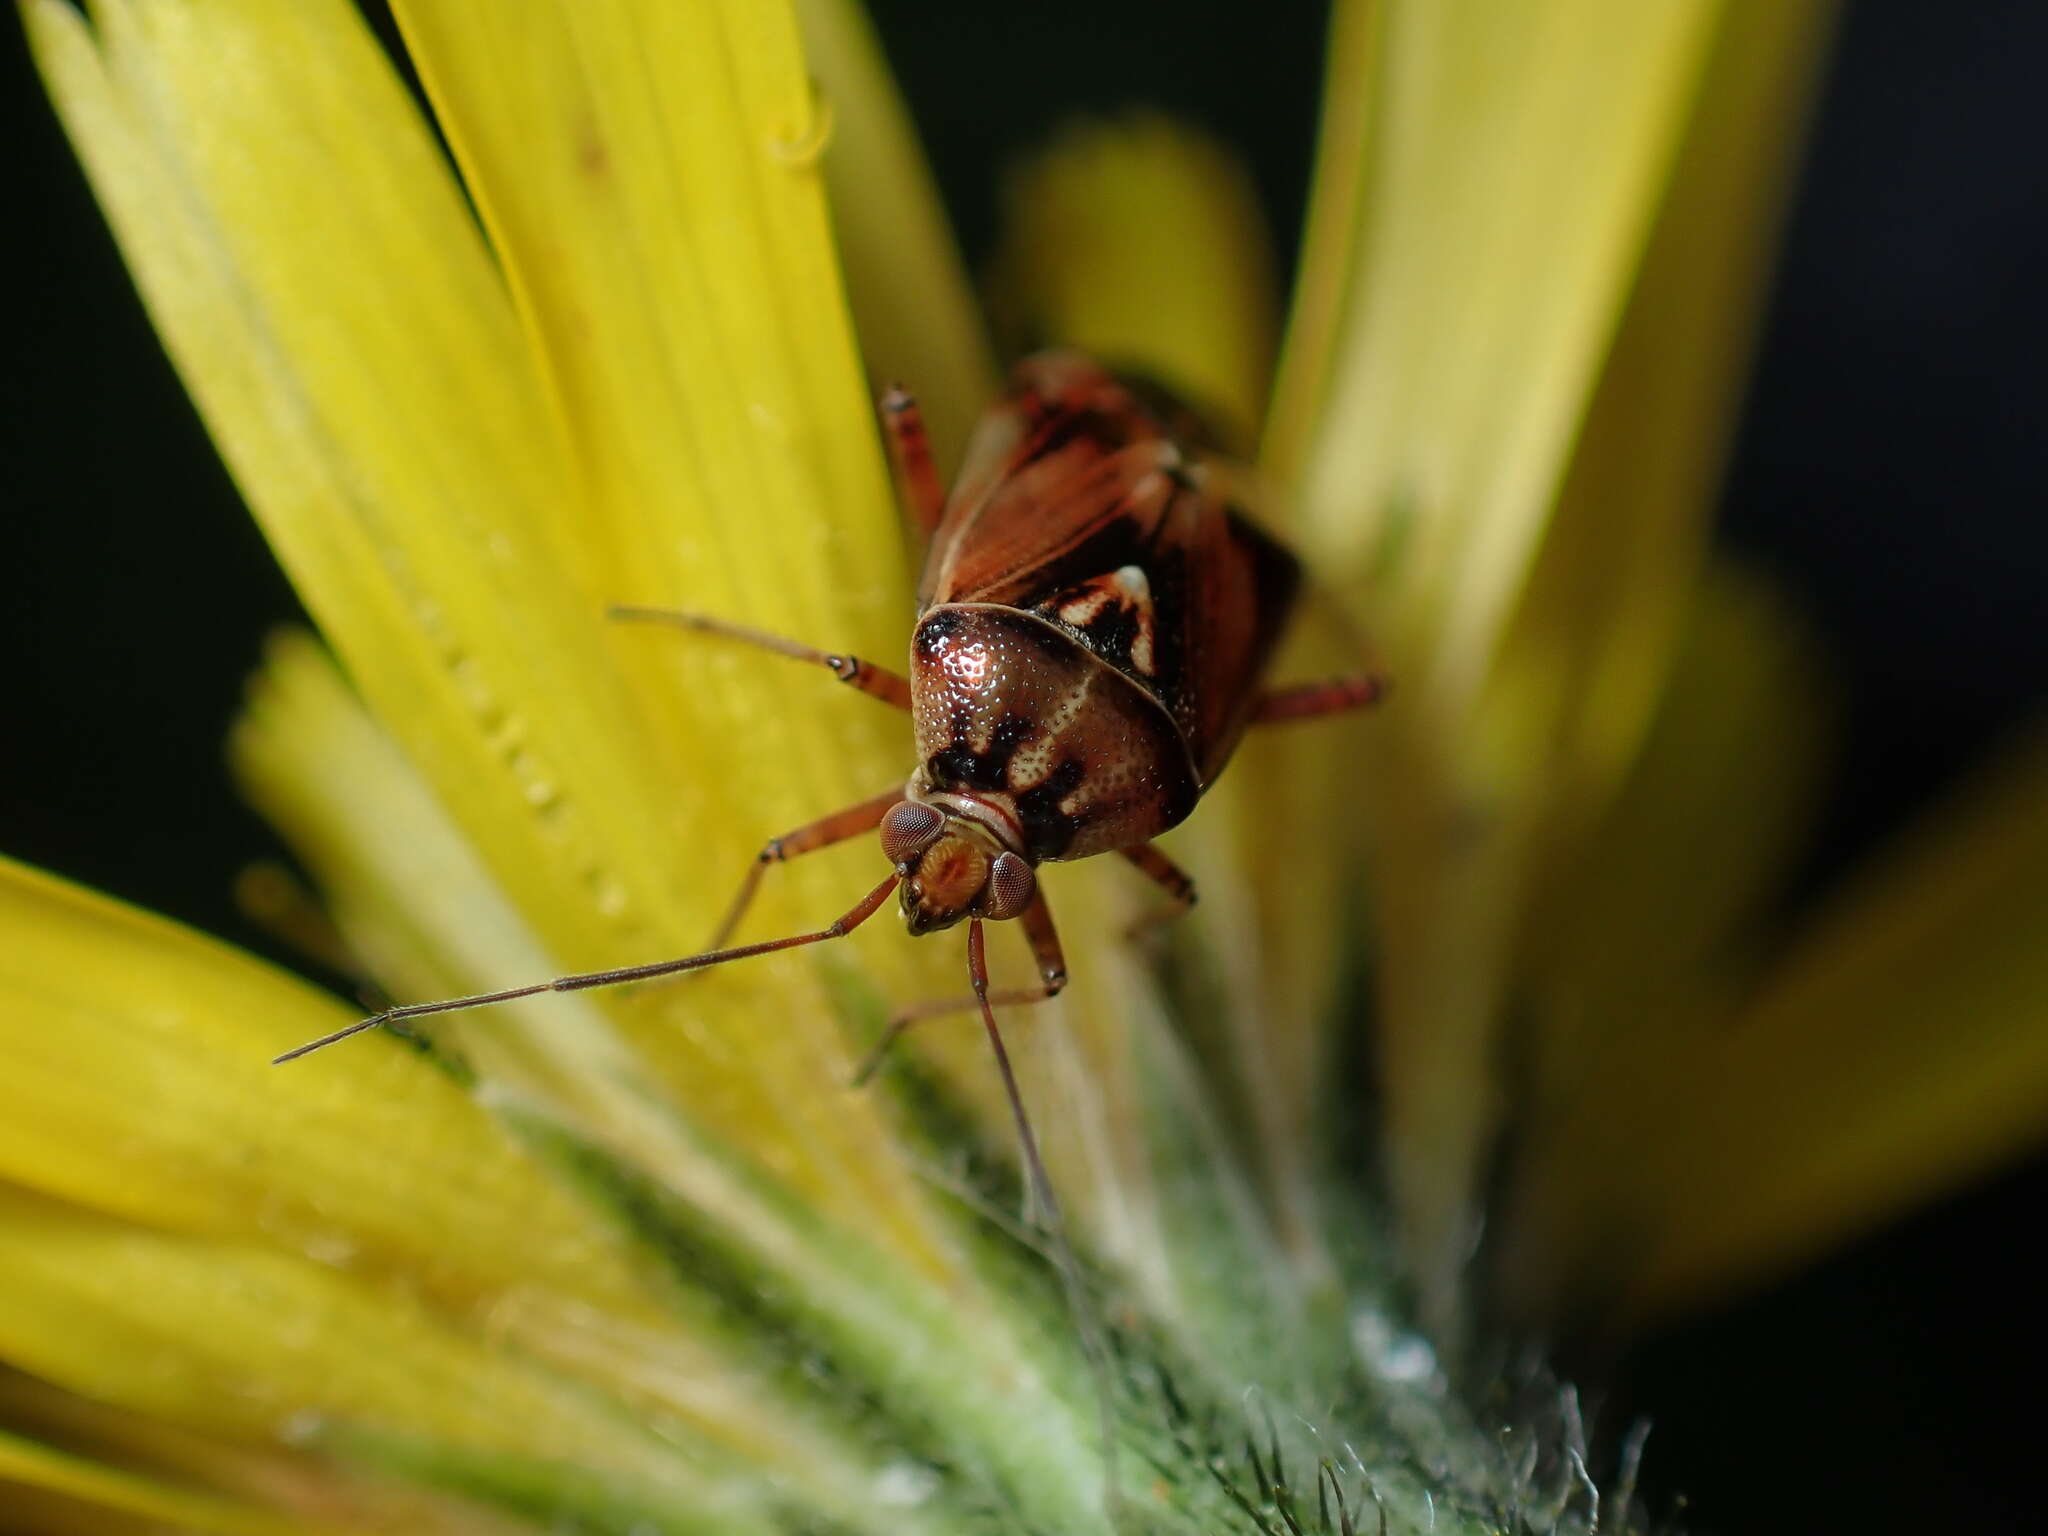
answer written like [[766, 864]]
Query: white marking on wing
[[1137, 594]]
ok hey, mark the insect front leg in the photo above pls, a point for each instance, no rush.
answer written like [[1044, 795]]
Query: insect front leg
[[911, 448], [876, 682], [1312, 701], [1052, 977], [809, 838]]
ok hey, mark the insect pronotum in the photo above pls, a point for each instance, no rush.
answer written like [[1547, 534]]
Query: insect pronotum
[[1094, 623]]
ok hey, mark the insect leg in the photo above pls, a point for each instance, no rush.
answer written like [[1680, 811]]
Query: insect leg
[[859, 913], [1038, 1183], [876, 682], [911, 448], [1052, 976], [1169, 877], [822, 833], [1310, 701]]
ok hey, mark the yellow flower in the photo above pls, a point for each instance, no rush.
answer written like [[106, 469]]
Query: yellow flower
[[641, 1261]]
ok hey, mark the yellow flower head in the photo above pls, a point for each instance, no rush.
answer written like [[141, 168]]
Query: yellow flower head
[[639, 1260]]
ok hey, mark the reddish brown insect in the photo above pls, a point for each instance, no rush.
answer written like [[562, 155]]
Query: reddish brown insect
[[1095, 619]]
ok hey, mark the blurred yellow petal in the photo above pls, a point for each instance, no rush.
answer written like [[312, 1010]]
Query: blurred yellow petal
[[1265, 969], [1142, 242], [1649, 919], [1510, 478], [218, 1473], [1332, 264], [1897, 1050], [99, 1492], [919, 321], [1427, 441], [169, 1113], [1654, 901], [1592, 635], [240, 1341], [135, 1078]]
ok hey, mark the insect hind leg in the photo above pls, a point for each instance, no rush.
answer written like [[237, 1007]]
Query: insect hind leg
[[1170, 878], [1044, 1207], [1313, 701]]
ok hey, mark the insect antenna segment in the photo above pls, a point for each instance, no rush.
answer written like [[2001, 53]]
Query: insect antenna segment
[[861, 911]]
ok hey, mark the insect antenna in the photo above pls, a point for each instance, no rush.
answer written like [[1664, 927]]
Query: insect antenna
[[861, 911], [1094, 1333]]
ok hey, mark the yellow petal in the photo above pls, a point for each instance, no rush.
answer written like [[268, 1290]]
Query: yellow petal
[[416, 908], [1643, 924], [1645, 907], [459, 565], [312, 269], [919, 321], [1486, 239], [1589, 647], [650, 175], [334, 311], [135, 1078], [218, 1479], [246, 1343], [1897, 1051], [1505, 455], [1592, 634], [137, 1081], [1142, 242], [1485, 182], [99, 1492], [1268, 956]]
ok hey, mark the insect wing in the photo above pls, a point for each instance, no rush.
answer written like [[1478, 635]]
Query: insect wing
[[1240, 590], [1075, 505], [1061, 416]]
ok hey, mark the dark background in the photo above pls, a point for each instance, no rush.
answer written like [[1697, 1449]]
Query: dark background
[[1890, 470]]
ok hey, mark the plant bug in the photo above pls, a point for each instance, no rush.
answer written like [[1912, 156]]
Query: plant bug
[[1095, 619]]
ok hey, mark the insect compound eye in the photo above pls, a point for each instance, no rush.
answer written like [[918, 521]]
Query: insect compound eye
[[1011, 885], [908, 830]]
